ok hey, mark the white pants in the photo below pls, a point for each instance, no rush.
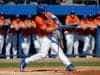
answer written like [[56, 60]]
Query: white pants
[[71, 44], [92, 45], [45, 44], [37, 45], [11, 41], [88, 43], [1, 43], [25, 45]]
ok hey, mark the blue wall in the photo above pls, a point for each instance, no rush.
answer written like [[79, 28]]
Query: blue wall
[[81, 10], [18, 9], [56, 9]]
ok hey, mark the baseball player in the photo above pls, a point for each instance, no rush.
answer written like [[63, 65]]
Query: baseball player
[[92, 26], [25, 36], [56, 35], [97, 19], [11, 39], [44, 30], [71, 42], [2, 20], [86, 37]]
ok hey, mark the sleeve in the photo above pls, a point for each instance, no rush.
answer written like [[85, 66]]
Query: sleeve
[[54, 17]]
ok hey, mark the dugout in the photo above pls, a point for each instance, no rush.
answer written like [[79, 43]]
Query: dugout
[[30, 10]]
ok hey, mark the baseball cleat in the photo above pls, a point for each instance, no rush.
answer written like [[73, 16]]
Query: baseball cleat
[[70, 67], [22, 65]]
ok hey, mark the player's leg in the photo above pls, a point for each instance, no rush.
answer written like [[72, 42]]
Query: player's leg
[[69, 43], [86, 44], [25, 45], [14, 46], [36, 43], [44, 47], [62, 56], [8, 45], [76, 50], [92, 44], [43, 52], [55, 38], [1, 43]]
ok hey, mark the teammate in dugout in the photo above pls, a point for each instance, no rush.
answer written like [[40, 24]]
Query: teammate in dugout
[[7, 28], [2, 20], [97, 19], [24, 37], [11, 38], [45, 26], [84, 34], [92, 27], [71, 42]]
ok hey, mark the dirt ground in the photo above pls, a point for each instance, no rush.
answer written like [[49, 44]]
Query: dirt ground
[[50, 71]]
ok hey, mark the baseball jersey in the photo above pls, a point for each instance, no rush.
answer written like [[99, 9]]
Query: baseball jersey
[[43, 25], [97, 20], [14, 24], [26, 32], [72, 20], [2, 20]]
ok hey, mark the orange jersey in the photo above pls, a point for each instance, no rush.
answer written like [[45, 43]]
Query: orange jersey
[[86, 25], [43, 25], [15, 23], [92, 26], [83, 26], [72, 20], [97, 20], [26, 32], [14, 26], [2, 20], [92, 23], [21, 24], [83, 23]]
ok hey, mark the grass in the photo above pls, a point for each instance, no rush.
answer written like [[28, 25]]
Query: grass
[[52, 63]]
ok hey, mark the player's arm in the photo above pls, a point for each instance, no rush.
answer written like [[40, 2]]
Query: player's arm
[[51, 26], [54, 18]]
